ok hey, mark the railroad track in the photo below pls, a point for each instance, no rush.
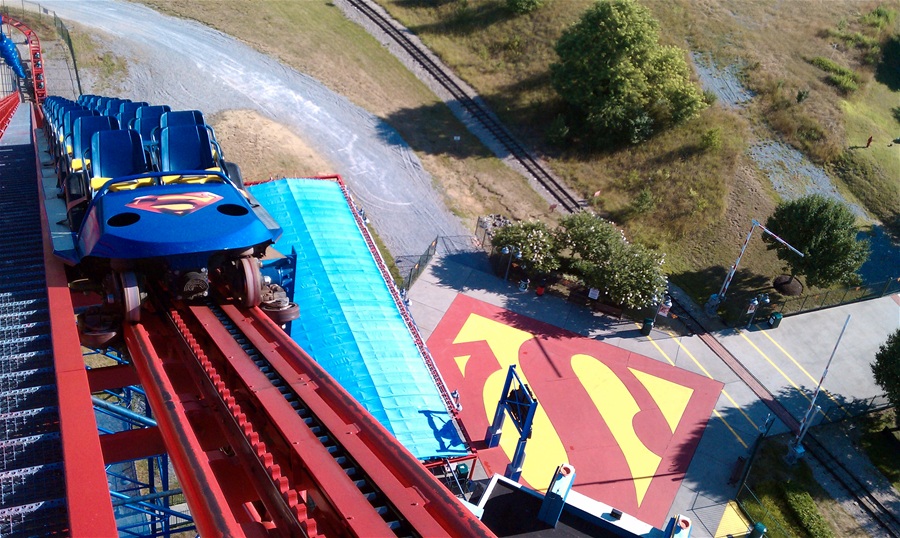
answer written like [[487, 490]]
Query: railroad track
[[887, 520], [479, 113]]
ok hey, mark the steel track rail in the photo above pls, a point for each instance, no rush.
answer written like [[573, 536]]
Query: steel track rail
[[296, 455], [476, 110], [883, 516], [886, 519]]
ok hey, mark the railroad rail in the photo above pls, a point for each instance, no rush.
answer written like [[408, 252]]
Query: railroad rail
[[478, 112], [883, 516], [886, 519], [265, 442]]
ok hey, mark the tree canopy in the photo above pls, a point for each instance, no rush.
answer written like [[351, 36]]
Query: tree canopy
[[628, 274], [616, 77], [886, 368], [824, 230]]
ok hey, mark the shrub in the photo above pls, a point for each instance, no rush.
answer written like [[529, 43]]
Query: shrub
[[830, 66], [616, 78], [845, 84], [644, 203], [558, 131], [879, 17], [711, 139], [523, 6], [804, 507]]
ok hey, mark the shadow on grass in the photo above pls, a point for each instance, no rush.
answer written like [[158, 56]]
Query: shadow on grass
[[432, 130], [464, 20]]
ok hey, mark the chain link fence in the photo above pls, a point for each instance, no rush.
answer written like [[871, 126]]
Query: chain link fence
[[64, 35], [419, 265], [757, 512], [818, 301]]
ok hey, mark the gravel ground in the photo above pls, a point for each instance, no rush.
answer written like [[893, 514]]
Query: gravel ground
[[793, 175], [187, 65], [842, 439]]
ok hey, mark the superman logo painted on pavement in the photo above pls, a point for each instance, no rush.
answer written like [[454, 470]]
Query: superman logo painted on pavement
[[178, 204], [628, 423]]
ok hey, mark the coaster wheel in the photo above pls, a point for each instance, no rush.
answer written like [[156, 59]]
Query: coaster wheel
[[281, 314], [251, 282]]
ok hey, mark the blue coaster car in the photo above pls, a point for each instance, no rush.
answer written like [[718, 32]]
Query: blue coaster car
[[177, 216]]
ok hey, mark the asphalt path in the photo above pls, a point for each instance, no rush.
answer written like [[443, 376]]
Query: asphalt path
[[187, 65]]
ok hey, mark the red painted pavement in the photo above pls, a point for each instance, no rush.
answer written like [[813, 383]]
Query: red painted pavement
[[591, 443]]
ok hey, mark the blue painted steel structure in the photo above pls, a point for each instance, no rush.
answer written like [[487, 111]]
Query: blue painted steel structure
[[521, 405], [10, 55]]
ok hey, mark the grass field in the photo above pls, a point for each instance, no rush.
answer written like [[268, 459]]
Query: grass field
[[694, 205]]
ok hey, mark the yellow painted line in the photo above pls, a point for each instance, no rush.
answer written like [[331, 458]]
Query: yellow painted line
[[733, 522], [725, 422], [730, 399], [784, 375], [664, 354], [802, 369]]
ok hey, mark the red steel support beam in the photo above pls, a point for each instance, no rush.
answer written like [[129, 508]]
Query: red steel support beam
[[87, 491], [213, 514], [131, 445], [429, 507]]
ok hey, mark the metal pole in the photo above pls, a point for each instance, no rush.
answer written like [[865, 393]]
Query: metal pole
[[804, 426], [724, 288], [780, 240]]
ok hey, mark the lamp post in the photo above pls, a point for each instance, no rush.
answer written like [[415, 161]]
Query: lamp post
[[762, 298], [511, 251]]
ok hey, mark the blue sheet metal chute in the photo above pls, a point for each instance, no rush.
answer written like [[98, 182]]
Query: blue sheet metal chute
[[11, 55], [517, 400]]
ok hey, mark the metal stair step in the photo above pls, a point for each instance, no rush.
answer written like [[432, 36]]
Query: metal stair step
[[36, 342], [26, 378], [25, 360], [30, 422], [26, 486], [30, 451], [44, 518], [28, 398]]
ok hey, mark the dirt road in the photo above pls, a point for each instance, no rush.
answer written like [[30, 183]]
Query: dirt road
[[187, 65]]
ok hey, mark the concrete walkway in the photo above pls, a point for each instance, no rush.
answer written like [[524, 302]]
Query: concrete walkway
[[786, 362]]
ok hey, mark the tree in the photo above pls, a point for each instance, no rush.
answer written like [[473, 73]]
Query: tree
[[886, 368], [617, 79], [824, 230], [534, 241], [628, 274]]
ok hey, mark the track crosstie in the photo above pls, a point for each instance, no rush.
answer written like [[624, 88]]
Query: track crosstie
[[887, 520], [478, 112]]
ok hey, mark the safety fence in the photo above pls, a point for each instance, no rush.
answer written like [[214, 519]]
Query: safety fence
[[420, 265], [826, 299], [757, 512], [64, 34]]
